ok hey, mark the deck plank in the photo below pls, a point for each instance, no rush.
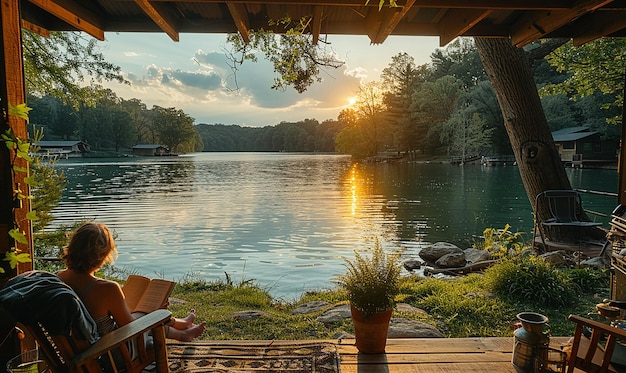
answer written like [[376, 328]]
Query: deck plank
[[426, 355]]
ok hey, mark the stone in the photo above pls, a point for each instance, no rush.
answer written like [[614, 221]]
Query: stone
[[407, 308], [404, 328], [437, 250], [248, 315], [452, 260], [310, 307], [596, 263], [335, 314], [555, 258], [412, 264], [475, 255]]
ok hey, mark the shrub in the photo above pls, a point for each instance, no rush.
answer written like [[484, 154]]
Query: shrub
[[532, 279]]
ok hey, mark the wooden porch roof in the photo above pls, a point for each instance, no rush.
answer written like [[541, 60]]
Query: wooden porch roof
[[522, 20]]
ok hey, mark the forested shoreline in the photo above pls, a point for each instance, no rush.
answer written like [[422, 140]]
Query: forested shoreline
[[444, 108]]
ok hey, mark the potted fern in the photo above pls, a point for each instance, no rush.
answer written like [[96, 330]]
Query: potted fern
[[372, 284]]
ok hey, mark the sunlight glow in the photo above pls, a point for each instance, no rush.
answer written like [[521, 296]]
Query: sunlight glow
[[354, 190], [352, 101]]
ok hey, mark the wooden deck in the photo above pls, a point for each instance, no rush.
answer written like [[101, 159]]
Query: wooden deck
[[407, 355], [429, 355]]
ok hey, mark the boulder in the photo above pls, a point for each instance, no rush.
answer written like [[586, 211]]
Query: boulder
[[475, 255], [437, 250], [407, 308], [453, 260], [599, 262], [335, 314], [248, 315], [404, 328], [555, 258], [412, 264], [310, 307]]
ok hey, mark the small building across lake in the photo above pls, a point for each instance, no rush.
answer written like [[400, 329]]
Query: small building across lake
[[150, 150], [580, 146], [63, 149]]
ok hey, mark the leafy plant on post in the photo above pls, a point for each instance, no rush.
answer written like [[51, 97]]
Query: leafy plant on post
[[372, 284], [18, 148]]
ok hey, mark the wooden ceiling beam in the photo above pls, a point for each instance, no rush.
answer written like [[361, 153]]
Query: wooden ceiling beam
[[599, 24], [41, 31], [160, 17], [456, 22], [461, 4], [537, 24], [390, 23], [316, 28], [240, 18], [73, 16]]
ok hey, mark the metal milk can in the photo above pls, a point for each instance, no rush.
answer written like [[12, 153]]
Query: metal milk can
[[530, 340]]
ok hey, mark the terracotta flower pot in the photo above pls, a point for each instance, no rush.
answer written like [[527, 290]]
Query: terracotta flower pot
[[370, 332]]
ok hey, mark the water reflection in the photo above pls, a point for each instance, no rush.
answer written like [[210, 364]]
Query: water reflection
[[286, 220]]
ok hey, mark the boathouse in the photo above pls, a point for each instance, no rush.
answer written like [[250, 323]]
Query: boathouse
[[62, 148], [150, 150], [581, 145]]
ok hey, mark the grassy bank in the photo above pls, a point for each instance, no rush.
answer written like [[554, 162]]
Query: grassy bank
[[474, 305]]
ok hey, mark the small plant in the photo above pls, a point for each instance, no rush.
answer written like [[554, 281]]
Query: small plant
[[502, 243], [372, 283]]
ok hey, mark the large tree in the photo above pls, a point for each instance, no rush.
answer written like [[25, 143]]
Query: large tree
[[537, 158]]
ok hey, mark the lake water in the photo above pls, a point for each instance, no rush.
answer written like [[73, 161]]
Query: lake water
[[287, 220]]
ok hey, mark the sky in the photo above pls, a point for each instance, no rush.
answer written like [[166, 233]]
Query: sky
[[194, 75]]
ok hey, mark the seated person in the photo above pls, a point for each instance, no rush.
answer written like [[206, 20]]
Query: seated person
[[90, 247]]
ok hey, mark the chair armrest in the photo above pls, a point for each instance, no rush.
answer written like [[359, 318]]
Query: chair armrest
[[619, 333], [127, 332]]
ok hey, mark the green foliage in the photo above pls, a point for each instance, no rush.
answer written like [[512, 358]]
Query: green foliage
[[372, 283], [58, 64], [597, 66], [502, 243], [532, 279], [296, 59]]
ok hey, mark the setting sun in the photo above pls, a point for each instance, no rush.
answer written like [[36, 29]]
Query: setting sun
[[351, 101]]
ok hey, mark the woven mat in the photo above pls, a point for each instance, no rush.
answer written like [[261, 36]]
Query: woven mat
[[216, 357]]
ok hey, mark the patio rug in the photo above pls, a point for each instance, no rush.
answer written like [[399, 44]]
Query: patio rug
[[217, 357]]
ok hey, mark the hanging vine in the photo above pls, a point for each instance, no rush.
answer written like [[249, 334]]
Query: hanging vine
[[19, 149]]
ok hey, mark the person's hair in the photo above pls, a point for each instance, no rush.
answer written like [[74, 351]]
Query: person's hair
[[89, 248]]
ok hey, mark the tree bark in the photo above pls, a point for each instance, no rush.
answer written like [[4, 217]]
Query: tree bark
[[537, 157]]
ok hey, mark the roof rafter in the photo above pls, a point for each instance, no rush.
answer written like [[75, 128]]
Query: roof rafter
[[316, 29], [160, 17], [456, 22], [386, 27], [598, 25], [240, 18], [73, 16], [537, 24]]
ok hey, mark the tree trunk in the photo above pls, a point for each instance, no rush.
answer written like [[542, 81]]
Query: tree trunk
[[537, 158]]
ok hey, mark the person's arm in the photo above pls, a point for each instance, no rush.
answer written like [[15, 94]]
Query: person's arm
[[111, 294]]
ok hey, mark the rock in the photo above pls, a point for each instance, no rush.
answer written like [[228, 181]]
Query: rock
[[335, 314], [310, 307], [555, 257], [404, 328], [343, 335], [248, 315], [407, 308], [453, 260], [437, 250], [475, 255], [412, 264], [596, 263]]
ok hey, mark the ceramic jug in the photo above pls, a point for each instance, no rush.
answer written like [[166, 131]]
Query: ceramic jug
[[530, 340]]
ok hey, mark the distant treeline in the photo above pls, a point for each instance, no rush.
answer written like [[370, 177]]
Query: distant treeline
[[305, 136]]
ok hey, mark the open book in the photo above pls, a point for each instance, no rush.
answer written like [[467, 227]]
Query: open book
[[146, 295]]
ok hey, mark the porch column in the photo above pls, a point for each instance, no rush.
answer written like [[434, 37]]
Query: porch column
[[12, 210]]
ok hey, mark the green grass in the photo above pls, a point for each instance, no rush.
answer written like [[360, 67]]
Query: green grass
[[474, 305]]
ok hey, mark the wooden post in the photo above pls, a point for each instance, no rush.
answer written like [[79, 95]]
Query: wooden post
[[621, 169], [12, 92]]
